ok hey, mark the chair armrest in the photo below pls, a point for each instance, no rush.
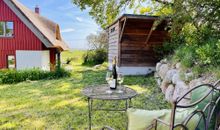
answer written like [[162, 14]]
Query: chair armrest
[[161, 121], [155, 123]]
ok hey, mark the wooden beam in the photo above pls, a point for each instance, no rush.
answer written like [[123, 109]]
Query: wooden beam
[[119, 44], [122, 31], [149, 35]]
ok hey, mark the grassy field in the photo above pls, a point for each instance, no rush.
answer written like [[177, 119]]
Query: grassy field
[[59, 104]]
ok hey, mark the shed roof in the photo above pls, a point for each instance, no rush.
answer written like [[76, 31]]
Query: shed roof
[[49, 29], [134, 16]]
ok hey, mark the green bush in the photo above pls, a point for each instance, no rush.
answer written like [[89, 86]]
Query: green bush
[[210, 52], [13, 76], [2, 72], [169, 47], [94, 57], [185, 55]]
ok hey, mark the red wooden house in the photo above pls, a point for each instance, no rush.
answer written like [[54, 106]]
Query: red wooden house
[[27, 40]]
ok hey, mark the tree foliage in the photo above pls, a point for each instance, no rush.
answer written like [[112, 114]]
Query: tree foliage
[[98, 49], [98, 41], [197, 12], [106, 11]]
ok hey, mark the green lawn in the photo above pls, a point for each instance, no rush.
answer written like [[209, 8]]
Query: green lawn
[[59, 104]]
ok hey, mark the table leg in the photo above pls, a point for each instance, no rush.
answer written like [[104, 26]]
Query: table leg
[[90, 115], [126, 105], [130, 103]]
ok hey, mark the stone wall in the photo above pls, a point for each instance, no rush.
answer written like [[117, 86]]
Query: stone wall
[[175, 82]]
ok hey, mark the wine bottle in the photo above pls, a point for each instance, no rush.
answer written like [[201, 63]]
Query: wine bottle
[[114, 75]]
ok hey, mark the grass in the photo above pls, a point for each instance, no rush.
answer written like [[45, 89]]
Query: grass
[[59, 104]]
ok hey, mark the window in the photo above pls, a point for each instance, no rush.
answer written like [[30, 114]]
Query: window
[[9, 29], [112, 30], [1, 28], [11, 61], [6, 29]]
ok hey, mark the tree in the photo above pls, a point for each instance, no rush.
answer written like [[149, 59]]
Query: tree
[[197, 12], [105, 11], [98, 41]]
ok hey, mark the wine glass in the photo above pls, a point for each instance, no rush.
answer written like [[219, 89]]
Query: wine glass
[[108, 78], [120, 81]]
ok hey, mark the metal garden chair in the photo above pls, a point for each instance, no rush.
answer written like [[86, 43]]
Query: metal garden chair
[[210, 111]]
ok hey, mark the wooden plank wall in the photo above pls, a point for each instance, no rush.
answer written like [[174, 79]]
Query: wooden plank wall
[[113, 37], [134, 50]]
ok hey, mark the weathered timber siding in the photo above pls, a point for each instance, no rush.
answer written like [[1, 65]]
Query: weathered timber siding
[[134, 50], [113, 42]]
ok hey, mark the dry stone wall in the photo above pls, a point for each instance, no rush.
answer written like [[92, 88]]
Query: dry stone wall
[[174, 82]]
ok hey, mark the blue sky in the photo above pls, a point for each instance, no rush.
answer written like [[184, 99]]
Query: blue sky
[[75, 24]]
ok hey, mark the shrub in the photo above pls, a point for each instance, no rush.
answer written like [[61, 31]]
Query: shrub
[[209, 53], [13, 76], [59, 73], [185, 55], [169, 47], [2, 72], [94, 57]]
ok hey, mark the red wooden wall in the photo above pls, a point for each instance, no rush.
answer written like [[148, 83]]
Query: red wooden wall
[[23, 38]]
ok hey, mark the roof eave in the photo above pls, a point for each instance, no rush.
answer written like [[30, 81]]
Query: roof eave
[[134, 16]]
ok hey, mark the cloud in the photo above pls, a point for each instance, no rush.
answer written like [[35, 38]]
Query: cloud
[[68, 30], [79, 19]]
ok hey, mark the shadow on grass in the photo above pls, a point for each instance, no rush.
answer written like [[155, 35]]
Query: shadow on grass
[[59, 104]]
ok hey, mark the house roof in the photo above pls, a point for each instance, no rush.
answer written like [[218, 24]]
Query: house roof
[[46, 30]]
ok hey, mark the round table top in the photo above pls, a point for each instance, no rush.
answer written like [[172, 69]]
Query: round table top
[[103, 92]]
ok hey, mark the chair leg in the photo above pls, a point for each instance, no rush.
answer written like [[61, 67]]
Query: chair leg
[[217, 123]]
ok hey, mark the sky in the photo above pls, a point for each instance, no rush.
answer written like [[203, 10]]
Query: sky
[[75, 25]]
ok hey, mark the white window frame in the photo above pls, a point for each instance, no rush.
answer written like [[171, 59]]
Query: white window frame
[[4, 29]]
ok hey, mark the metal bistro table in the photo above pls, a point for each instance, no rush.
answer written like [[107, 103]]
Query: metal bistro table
[[100, 93]]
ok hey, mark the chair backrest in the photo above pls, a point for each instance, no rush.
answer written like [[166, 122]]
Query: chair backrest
[[210, 97]]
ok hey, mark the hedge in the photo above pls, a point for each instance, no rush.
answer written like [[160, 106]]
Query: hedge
[[14, 76]]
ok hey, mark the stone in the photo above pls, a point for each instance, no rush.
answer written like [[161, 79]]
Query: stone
[[156, 75], [169, 93], [176, 78], [158, 66], [180, 89], [188, 76], [164, 86], [178, 65], [195, 82], [163, 70], [164, 61], [159, 81], [169, 75]]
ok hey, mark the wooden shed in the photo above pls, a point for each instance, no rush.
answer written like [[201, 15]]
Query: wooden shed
[[132, 39]]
